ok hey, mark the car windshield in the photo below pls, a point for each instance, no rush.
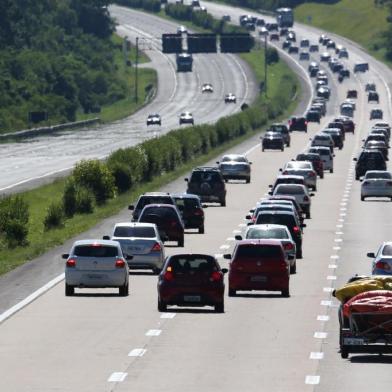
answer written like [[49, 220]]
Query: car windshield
[[142, 232], [258, 251], [387, 250], [278, 128], [290, 190], [385, 175], [95, 250], [190, 264], [233, 158], [276, 233]]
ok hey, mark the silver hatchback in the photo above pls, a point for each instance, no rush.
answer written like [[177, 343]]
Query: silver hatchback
[[376, 183], [96, 264], [235, 166]]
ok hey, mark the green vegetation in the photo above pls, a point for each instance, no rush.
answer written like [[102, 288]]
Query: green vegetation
[[81, 201], [270, 5], [59, 56]]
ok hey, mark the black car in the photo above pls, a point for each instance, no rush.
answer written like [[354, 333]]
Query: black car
[[336, 135], [293, 49], [381, 146], [376, 114], [286, 44], [352, 94], [369, 160], [298, 124], [272, 141], [324, 92], [191, 210], [313, 116], [373, 97], [283, 129], [207, 183], [149, 198]]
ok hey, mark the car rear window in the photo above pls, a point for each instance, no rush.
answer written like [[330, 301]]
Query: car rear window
[[96, 251], [145, 200], [186, 264], [378, 175], [289, 190], [276, 233], [142, 232], [201, 176], [258, 251], [387, 250], [188, 203], [278, 219], [150, 214]]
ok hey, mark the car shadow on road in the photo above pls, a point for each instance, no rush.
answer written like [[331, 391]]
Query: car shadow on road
[[142, 273], [191, 310], [89, 295], [258, 295], [375, 358]]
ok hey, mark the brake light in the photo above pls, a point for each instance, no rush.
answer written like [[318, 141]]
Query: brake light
[[199, 212], [71, 263], [288, 246], [216, 276], [156, 247], [253, 219], [383, 266], [285, 172], [389, 183], [96, 245], [306, 123], [120, 263], [296, 230], [312, 174], [306, 198], [168, 276]]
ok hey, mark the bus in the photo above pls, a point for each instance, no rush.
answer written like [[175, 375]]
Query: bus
[[285, 17]]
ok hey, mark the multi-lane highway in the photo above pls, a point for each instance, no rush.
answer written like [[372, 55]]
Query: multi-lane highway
[[97, 341], [30, 163]]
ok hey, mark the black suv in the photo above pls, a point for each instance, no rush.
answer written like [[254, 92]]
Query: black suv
[[281, 128], [208, 184], [298, 124], [150, 198], [369, 160], [191, 210]]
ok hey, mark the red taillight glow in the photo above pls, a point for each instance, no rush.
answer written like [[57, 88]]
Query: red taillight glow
[[199, 212], [383, 266], [288, 246], [71, 263], [96, 245], [168, 276], [312, 174], [156, 248], [285, 172], [389, 183], [120, 263], [296, 230], [216, 276], [253, 219]]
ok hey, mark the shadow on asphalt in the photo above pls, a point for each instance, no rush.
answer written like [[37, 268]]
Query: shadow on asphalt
[[375, 358], [191, 310], [258, 295]]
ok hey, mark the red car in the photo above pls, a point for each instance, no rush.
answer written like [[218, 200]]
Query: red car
[[259, 265], [191, 280]]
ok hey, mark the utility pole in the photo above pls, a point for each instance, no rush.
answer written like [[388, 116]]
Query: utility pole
[[265, 66], [136, 70]]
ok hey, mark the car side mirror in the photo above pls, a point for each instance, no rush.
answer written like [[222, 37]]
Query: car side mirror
[[106, 237], [238, 237], [311, 194], [334, 155], [371, 254], [131, 207], [250, 163], [227, 256], [270, 186], [248, 216], [252, 210], [303, 225], [280, 169], [128, 257], [204, 205], [186, 179], [65, 255], [270, 193], [217, 162], [361, 179], [250, 223], [355, 159], [224, 270]]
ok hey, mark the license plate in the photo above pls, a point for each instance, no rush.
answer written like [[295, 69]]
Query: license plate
[[258, 278], [95, 277], [192, 298], [353, 341], [134, 248]]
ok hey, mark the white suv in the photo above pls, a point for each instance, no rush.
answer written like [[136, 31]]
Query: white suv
[[326, 156]]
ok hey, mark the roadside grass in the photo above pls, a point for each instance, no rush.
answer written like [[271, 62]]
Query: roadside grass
[[147, 82], [359, 20], [41, 241]]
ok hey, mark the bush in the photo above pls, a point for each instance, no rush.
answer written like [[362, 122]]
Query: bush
[[15, 233], [122, 176], [69, 198], [272, 56], [84, 201], [55, 216]]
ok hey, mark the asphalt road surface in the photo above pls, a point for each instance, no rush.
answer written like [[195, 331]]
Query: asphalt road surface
[[39, 160], [97, 341]]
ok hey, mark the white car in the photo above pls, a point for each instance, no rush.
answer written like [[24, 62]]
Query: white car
[[382, 263], [230, 98], [142, 241], [207, 88], [326, 156], [96, 264], [301, 194], [181, 29], [376, 183], [186, 118], [304, 169]]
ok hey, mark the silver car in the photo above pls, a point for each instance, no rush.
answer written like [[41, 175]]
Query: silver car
[[96, 264], [382, 263], [376, 183], [234, 167], [300, 192], [143, 243], [304, 169], [278, 232]]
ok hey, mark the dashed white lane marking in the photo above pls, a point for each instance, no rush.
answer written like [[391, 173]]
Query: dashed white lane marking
[[312, 380], [343, 208], [342, 214], [343, 204], [242, 225], [117, 377], [316, 355], [236, 231], [338, 240], [230, 239], [339, 232], [341, 220], [339, 226], [331, 277], [336, 248], [332, 266], [137, 352], [326, 303], [153, 332], [322, 317], [168, 315], [218, 255], [328, 289], [320, 335], [334, 257], [224, 247]]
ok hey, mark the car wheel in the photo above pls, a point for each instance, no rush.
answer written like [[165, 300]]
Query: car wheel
[[69, 290], [286, 293], [223, 203], [232, 292], [123, 291], [262, 149], [322, 175], [248, 180], [162, 307], [156, 271], [299, 254], [315, 188], [331, 170], [201, 230], [288, 145], [362, 198], [308, 215], [356, 177], [181, 242], [343, 352], [220, 308], [282, 149], [293, 268]]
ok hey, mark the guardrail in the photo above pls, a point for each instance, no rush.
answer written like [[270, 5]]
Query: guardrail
[[47, 130]]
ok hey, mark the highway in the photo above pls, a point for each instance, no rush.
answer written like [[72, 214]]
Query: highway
[[36, 161], [97, 341]]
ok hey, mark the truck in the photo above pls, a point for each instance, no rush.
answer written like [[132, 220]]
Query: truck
[[285, 17], [184, 62]]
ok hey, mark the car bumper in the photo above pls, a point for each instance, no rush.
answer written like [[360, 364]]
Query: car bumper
[[267, 281], [147, 261], [98, 279], [376, 192], [191, 296]]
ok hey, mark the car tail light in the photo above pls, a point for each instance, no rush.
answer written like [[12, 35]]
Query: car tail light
[[285, 172], [306, 123], [156, 247], [168, 276], [120, 263], [306, 198], [96, 245], [288, 246], [173, 223], [199, 212], [71, 263], [296, 230], [253, 219], [312, 174], [383, 266], [389, 183], [216, 276]]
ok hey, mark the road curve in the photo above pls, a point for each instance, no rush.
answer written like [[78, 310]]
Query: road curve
[[261, 342], [39, 160]]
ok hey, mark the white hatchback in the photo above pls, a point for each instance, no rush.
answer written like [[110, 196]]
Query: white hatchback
[[376, 183]]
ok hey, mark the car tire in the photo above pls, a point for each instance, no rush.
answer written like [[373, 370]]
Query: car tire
[[286, 293], [293, 268], [156, 271], [343, 352], [282, 149], [331, 170], [262, 149], [220, 307], [248, 180], [232, 292], [123, 291], [356, 177], [307, 215], [69, 290], [315, 188], [201, 230], [162, 307], [322, 176], [223, 203], [299, 254], [180, 242], [362, 198]]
